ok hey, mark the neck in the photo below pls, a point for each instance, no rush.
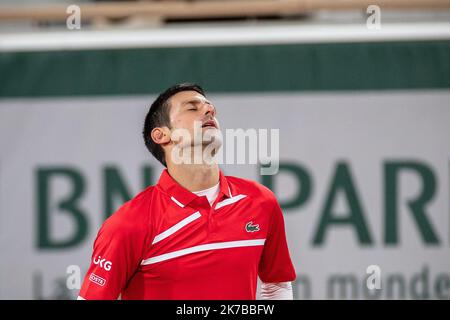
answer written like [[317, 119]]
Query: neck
[[194, 177]]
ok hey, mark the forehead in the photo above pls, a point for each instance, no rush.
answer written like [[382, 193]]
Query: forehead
[[186, 96]]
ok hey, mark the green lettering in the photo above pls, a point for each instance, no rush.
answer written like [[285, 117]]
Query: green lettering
[[69, 206], [417, 206], [303, 178], [116, 191], [342, 181]]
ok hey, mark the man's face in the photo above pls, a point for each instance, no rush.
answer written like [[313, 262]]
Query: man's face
[[189, 109]]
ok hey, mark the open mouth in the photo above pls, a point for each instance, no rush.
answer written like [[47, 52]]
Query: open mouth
[[209, 124]]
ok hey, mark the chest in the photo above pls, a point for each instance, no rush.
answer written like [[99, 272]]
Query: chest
[[230, 223], [233, 219]]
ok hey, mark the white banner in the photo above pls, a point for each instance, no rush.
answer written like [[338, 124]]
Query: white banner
[[364, 180]]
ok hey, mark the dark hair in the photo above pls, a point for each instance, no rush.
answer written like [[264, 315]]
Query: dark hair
[[158, 116]]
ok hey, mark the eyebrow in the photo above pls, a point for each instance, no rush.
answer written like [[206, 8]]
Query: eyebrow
[[197, 100]]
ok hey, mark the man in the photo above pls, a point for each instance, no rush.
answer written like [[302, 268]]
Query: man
[[196, 234]]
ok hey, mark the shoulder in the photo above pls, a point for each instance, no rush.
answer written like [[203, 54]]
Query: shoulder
[[132, 217]]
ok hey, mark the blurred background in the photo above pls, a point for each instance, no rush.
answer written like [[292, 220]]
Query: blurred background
[[359, 90]]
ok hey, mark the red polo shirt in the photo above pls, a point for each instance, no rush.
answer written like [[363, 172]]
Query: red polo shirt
[[168, 243]]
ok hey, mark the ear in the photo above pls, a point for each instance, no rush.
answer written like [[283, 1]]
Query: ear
[[160, 135]]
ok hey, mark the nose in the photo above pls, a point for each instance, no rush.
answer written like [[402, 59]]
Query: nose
[[210, 109]]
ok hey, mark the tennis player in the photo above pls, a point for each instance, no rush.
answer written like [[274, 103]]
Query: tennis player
[[196, 234]]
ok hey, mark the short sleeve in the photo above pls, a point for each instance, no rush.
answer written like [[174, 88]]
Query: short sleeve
[[116, 256], [275, 264]]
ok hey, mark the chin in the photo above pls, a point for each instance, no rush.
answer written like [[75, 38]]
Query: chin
[[212, 133]]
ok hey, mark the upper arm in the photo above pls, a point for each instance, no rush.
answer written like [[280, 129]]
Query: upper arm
[[116, 256], [275, 264]]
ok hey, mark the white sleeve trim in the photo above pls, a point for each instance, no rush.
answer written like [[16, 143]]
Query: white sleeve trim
[[276, 291], [80, 298]]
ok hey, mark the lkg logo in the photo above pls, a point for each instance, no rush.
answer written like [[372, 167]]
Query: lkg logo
[[103, 263]]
